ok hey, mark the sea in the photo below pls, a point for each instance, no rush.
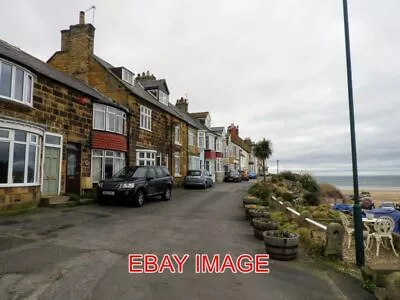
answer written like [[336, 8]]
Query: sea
[[365, 183]]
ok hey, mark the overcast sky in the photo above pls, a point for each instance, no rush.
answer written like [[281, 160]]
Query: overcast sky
[[275, 68]]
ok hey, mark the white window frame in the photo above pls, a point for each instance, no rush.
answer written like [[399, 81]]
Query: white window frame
[[107, 111], [177, 135], [194, 163], [192, 138], [27, 89], [202, 137], [163, 97], [145, 159], [60, 146], [127, 76], [177, 158], [145, 118], [103, 157], [27, 143]]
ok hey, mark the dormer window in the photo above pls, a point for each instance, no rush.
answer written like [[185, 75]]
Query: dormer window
[[163, 98], [128, 76], [154, 93], [16, 83]]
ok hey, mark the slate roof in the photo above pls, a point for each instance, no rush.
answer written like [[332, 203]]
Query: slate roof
[[218, 129], [188, 119], [199, 115], [158, 83], [144, 95], [242, 144], [35, 65]]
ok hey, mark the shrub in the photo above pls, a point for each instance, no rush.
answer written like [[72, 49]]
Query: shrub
[[309, 183], [288, 176], [261, 190], [286, 196], [311, 199], [74, 197], [329, 190]]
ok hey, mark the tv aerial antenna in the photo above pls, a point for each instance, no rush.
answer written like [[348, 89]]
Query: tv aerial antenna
[[93, 8]]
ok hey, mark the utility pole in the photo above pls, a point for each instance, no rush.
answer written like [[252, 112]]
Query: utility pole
[[277, 166], [358, 229]]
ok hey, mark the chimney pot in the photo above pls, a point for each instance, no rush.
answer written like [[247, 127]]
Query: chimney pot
[[81, 17]]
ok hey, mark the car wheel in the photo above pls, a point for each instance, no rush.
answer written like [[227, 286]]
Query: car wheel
[[139, 198], [167, 194]]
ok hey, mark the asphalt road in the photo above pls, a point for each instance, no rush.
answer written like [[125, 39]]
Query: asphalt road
[[82, 253]]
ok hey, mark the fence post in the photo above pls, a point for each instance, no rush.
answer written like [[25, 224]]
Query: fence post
[[334, 241]]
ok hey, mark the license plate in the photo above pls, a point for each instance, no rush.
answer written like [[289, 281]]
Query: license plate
[[108, 193]]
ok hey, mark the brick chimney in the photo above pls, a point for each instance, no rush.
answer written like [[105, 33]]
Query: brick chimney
[[145, 76], [233, 131], [77, 47], [182, 104]]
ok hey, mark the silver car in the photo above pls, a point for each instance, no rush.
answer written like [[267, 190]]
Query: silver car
[[198, 178]]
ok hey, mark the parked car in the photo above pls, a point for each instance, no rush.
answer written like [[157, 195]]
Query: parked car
[[135, 184], [244, 175], [252, 175], [232, 176], [198, 178], [391, 205]]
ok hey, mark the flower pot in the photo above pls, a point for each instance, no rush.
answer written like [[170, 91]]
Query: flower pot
[[251, 200], [258, 213], [248, 208], [264, 224], [281, 245]]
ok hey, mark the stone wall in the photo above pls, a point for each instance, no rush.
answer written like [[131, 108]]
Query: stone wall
[[56, 108]]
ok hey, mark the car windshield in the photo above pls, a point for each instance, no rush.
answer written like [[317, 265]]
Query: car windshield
[[125, 172], [131, 172], [194, 173]]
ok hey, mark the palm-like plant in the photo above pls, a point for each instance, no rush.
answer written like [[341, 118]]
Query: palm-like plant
[[263, 150]]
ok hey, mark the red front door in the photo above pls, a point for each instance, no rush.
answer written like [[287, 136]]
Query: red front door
[[73, 184]]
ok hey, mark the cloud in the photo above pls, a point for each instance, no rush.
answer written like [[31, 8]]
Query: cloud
[[276, 68]]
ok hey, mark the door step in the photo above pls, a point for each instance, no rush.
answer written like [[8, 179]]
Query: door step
[[51, 201]]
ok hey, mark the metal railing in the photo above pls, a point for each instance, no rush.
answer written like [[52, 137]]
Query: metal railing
[[321, 226]]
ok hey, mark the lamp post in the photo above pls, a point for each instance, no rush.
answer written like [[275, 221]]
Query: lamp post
[[358, 231]]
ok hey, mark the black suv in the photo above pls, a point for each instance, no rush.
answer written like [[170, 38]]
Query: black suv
[[135, 184]]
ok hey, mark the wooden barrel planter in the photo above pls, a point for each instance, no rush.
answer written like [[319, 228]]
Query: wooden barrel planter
[[258, 213], [251, 200], [250, 208], [262, 224], [281, 245]]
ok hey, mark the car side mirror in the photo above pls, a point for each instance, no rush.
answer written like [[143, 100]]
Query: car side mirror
[[149, 178]]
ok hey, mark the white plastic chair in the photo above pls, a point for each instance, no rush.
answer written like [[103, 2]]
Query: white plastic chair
[[383, 229], [347, 227]]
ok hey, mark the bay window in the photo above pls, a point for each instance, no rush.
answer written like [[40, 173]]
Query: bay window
[[194, 163], [108, 118], [146, 158], [106, 163], [19, 157], [15, 83]]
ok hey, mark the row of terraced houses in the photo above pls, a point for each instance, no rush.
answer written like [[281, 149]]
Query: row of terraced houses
[[70, 122]]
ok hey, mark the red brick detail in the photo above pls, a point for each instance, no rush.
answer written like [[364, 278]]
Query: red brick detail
[[209, 154], [219, 154], [109, 141]]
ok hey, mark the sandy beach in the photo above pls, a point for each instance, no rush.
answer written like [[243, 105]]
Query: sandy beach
[[379, 195]]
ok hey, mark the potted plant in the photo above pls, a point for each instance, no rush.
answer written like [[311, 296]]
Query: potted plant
[[259, 212], [262, 224], [252, 207], [281, 245], [251, 200]]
